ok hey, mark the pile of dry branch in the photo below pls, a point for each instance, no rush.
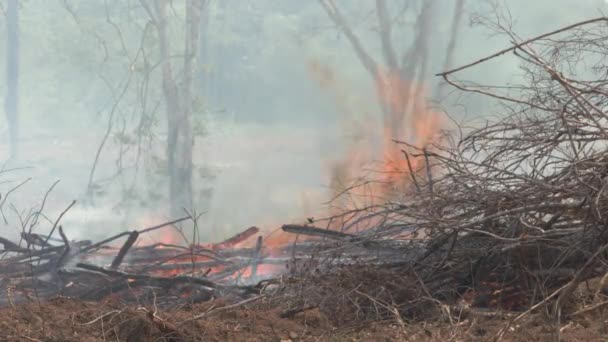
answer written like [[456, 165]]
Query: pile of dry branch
[[39, 268], [510, 216]]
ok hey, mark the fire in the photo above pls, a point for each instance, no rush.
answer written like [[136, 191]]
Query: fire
[[277, 238], [201, 259], [165, 236], [392, 92], [405, 117], [266, 270]]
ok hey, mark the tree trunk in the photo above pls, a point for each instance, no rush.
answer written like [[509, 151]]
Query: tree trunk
[[204, 57], [11, 104], [449, 55], [180, 139]]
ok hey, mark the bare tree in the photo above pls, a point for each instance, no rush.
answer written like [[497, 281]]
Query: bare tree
[[401, 79], [401, 74], [178, 99], [11, 105], [449, 55]]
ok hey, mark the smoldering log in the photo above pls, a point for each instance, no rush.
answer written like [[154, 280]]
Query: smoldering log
[[238, 238], [161, 281], [124, 249], [142, 231], [34, 239], [340, 236], [66, 248], [89, 280], [256, 257], [314, 231], [12, 247]]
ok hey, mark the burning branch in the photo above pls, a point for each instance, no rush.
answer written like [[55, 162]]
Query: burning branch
[[124, 249], [510, 211]]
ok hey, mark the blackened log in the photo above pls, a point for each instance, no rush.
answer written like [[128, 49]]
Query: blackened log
[[256, 257], [314, 231], [335, 235], [12, 247], [34, 239], [66, 248], [160, 281], [240, 237], [125, 248], [292, 312], [142, 231]]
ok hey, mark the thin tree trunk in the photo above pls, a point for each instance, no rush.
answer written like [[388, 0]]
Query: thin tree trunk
[[175, 114], [449, 55], [203, 54], [181, 184], [413, 68], [180, 139], [11, 105]]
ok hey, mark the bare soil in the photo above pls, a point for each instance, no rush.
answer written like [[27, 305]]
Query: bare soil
[[63, 319]]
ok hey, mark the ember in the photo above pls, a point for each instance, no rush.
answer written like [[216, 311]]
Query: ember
[[168, 273]]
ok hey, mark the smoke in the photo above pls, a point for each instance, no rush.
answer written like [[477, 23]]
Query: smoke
[[273, 129]]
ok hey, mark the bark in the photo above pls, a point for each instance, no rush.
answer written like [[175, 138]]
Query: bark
[[11, 105], [386, 38], [449, 56], [414, 67], [337, 17], [180, 139], [395, 77], [203, 53], [400, 77]]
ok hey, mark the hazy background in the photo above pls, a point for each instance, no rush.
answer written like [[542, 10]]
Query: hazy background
[[268, 134]]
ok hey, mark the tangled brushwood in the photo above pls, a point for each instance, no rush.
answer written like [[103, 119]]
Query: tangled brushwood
[[511, 216]]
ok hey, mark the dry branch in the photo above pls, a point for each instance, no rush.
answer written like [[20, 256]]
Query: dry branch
[[124, 249], [517, 207]]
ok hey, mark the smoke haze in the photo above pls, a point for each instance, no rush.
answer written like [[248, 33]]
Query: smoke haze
[[269, 129]]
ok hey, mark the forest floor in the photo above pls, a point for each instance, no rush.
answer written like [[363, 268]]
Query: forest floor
[[64, 319]]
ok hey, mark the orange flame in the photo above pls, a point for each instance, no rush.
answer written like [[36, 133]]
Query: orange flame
[[405, 117]]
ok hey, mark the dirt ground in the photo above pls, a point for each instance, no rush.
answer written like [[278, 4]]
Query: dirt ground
[[63, 319]]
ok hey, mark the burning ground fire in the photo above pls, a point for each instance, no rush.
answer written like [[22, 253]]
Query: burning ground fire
[[405, 117], [136, 268], [126, 267], [202, 258], [405, 114]]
